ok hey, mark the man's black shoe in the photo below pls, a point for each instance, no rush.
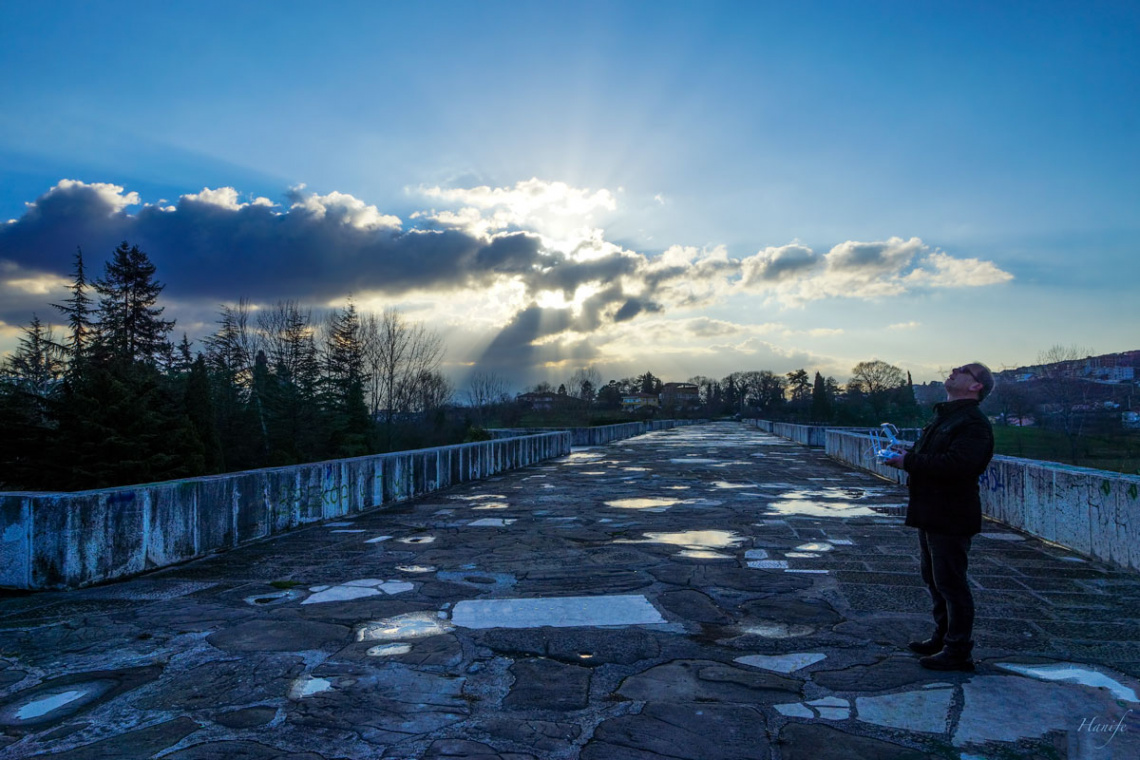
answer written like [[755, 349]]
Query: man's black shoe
[[947, 660], [930, 646]]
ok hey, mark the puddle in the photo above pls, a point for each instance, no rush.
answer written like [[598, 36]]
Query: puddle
[[307, 686], [691, 539], [1072, 673], [42, 706], [492, 505], [413, 625], [693, 460], [642, 503], [389, 650], [703, 554], [377, 540], [802, 555], [485, 496], [559, 612], [272, 597], [416, 568], [726, 484], [814, 546], [417, 540], [819, 508], [357, 530], [636, 469], [357, 589], [492, 522], [827, 493], [774, 629], [786, 663]]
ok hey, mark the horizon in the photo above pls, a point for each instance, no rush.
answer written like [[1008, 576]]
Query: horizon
[[687, 191]]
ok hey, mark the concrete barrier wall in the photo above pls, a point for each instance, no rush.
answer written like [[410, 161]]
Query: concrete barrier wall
[[1093, 512], [65, 540], [600, 435], [814, 435]]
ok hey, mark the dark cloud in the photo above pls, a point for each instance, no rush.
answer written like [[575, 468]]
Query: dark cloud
[[633, 307], [320, 247]]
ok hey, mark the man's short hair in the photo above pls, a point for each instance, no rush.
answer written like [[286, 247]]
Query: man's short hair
[[983, 375]]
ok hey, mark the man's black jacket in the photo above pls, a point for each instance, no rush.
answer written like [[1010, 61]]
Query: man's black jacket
[[944, 466]]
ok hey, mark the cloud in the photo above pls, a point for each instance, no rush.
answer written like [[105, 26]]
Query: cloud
[[793, 275], [562, 289], [773, 265], [957, 273], [912, 325]]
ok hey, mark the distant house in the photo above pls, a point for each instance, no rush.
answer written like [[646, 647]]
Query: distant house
[[538, 402], [681, 395], [545, 401], [634, 401]]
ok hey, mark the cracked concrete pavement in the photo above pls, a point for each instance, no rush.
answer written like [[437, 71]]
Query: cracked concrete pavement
[[705, 592]]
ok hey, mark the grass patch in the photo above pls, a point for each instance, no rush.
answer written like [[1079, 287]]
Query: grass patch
[[1115, 453]]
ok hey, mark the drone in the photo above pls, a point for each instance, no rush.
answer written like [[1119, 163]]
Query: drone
[[884, 440]]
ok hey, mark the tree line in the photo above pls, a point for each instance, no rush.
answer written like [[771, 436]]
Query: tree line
[[113, 401]]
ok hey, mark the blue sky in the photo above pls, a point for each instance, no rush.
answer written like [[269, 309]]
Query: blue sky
[[680, 187]]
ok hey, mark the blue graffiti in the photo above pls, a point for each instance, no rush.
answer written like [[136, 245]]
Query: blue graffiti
[[991, 480]]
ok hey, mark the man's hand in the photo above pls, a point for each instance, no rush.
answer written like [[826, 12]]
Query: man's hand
[[896, 459]]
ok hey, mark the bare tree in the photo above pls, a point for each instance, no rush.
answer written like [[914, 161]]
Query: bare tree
[[485, 389], [399, 355], [584, 383], [1059, 373], [287, 335]]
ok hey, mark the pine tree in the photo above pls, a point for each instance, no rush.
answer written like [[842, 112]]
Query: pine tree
[[200, 411], [344, 382], [79, 311], [820, 400], [131, 328]]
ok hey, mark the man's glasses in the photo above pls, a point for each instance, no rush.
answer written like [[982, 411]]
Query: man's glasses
[[968, 371]]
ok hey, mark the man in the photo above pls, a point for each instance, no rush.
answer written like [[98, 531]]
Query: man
[[952, 451]]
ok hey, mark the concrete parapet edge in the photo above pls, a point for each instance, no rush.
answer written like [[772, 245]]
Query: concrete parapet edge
[[600, 435], [68, 540], [1095, 513]]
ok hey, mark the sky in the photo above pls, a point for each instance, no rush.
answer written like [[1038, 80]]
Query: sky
[[682, 188]]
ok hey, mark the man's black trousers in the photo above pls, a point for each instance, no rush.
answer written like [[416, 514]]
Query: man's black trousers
[[944, 561]]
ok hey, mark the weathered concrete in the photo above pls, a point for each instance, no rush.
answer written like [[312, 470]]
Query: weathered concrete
[[246, 654], [1095, 513], [66, 540]]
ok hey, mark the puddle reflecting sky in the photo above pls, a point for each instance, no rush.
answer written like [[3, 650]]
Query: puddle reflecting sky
[[692, 539], [774, 629], [46, 704], [1072, 673], [819, 508], [413, 625], [826, 493], [642, 503]]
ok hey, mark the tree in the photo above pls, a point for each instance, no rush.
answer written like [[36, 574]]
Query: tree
[[399, 355], [79, 311], [131, 328], [799, 385], [38, 362], [485, 389], [583, 384], [647, 383], [877, 376], [820, 400], [200, 411], [345, 377], [1058, 373]]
